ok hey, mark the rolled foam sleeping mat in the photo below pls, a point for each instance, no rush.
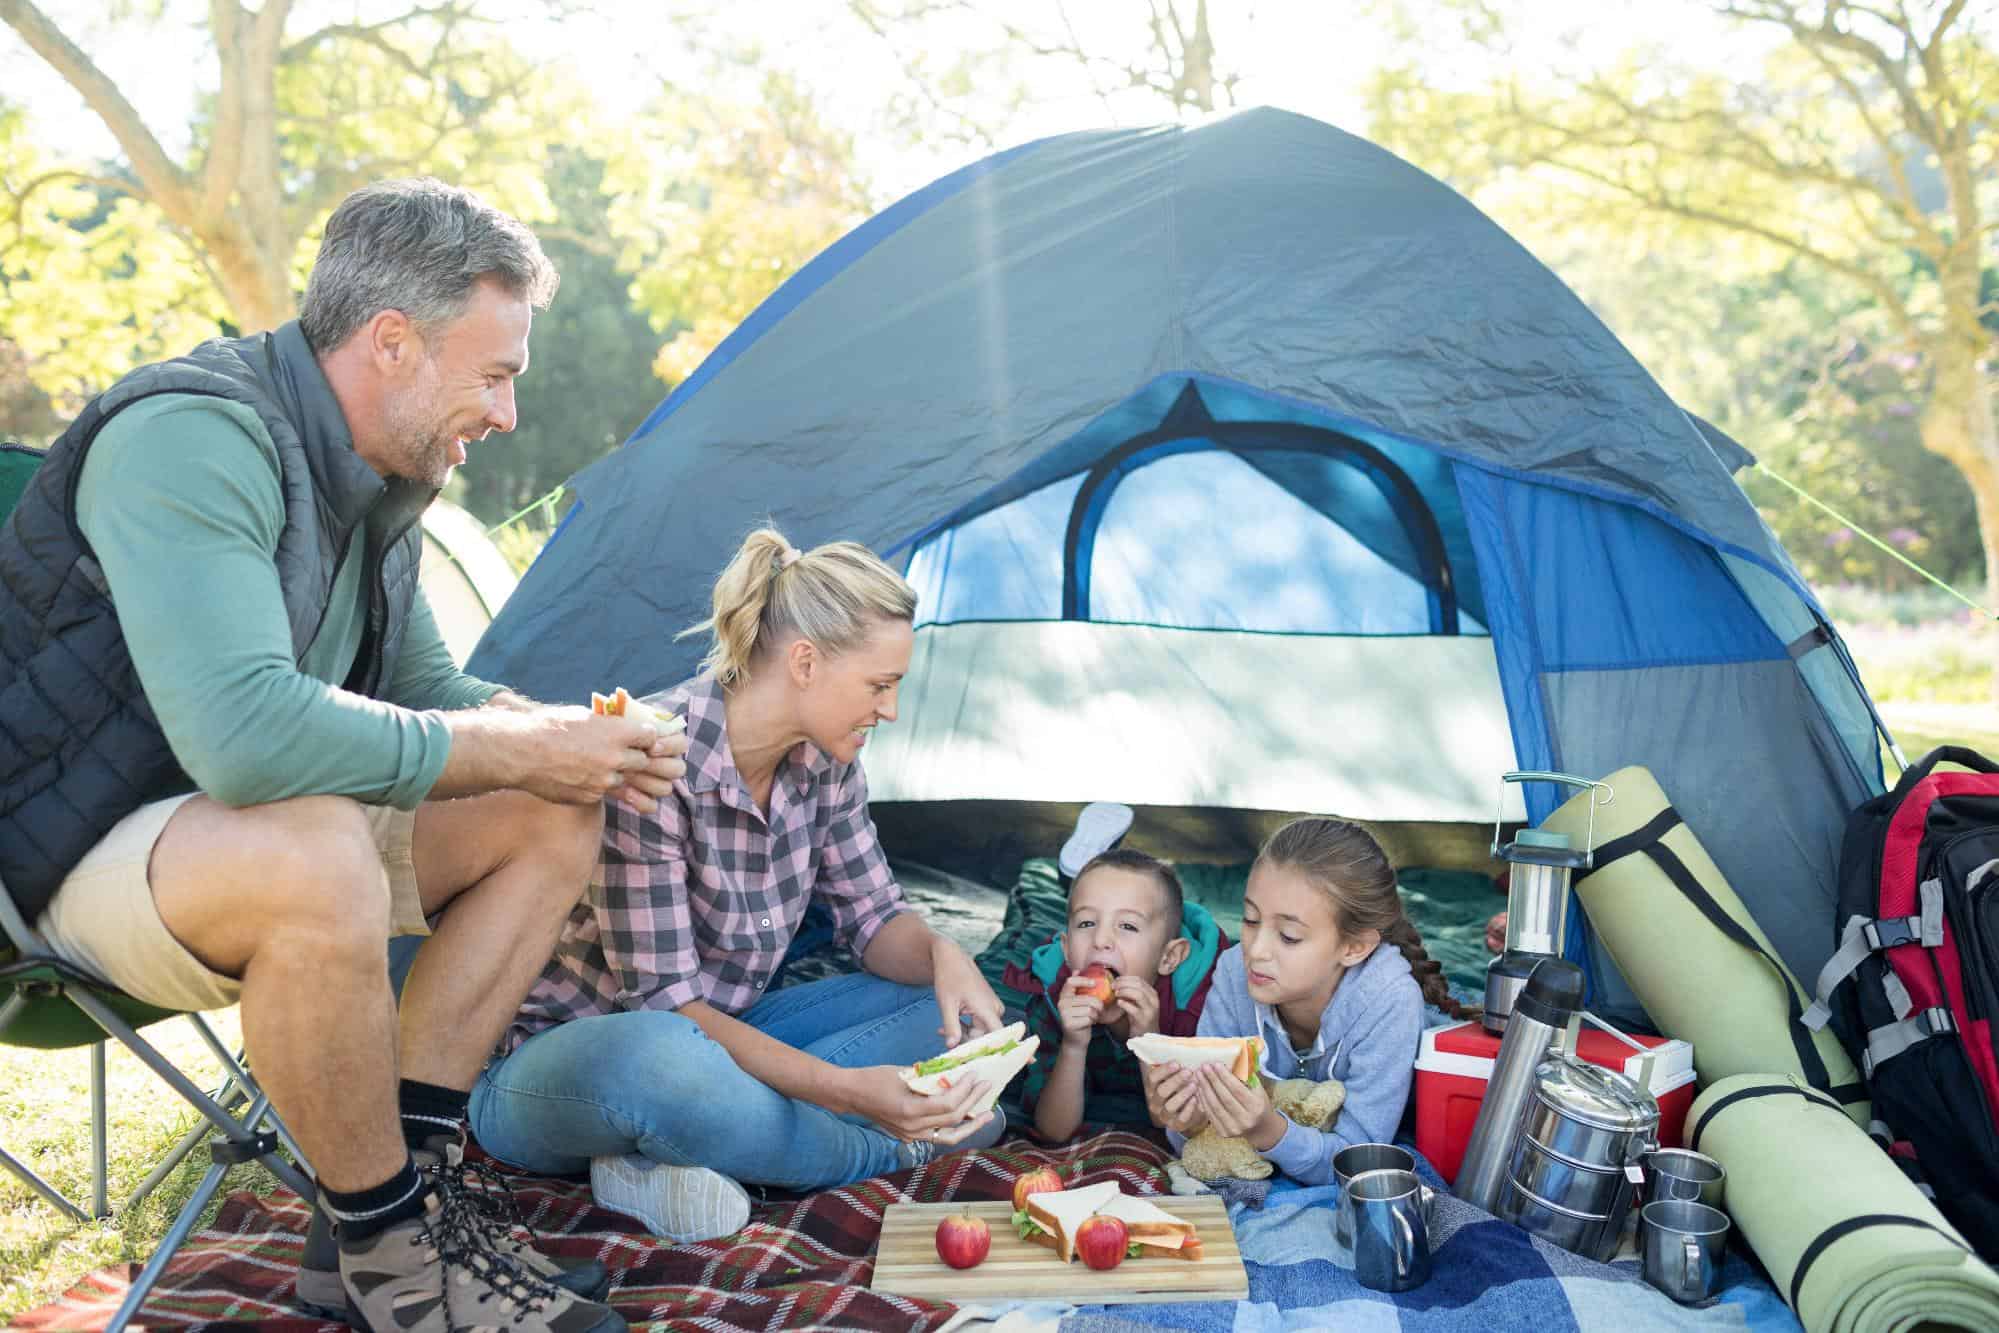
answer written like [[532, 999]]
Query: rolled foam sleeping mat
[[1695, 958], [1852, 1244]]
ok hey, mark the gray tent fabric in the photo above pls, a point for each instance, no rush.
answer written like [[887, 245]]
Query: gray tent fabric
[[946, 363]]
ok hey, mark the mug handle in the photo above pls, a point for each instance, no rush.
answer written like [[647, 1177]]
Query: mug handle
[[1690, 1257]]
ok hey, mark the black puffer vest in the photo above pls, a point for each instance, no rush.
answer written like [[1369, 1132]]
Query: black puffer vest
[[80, 747]]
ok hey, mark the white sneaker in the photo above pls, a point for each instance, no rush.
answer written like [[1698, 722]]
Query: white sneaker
[[1100, 827], [679, 1203]]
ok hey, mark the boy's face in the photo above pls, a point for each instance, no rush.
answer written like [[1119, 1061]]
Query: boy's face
[[1119, 918]]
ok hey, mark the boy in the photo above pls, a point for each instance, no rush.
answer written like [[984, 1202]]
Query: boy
[[1126, 913]]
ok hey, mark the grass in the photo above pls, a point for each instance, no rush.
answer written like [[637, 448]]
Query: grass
[[1929, 666]]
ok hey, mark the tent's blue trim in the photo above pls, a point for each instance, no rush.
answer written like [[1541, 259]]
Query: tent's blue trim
[[1367, 431], [560, 528], [823, 268]]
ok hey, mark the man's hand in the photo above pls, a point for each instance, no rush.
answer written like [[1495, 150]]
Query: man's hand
[[1238, 1110], [961, 992], [1079, 1010], [1139, 999], [1172, 1097], [567, 755], [878, 1092]]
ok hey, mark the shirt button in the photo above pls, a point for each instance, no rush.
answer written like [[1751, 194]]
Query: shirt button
[[766, 921]]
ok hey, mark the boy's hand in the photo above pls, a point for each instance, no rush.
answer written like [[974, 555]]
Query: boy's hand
[[1139, 999], [1172, 1098], [1238, 1110], [1079, 1010]]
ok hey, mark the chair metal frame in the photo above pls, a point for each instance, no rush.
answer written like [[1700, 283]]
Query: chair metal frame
[[238, 1112]]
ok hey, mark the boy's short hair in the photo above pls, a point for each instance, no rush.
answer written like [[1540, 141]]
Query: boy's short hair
[[1162, 872]]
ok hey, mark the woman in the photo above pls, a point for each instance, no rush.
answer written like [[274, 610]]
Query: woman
[[648, 1048]]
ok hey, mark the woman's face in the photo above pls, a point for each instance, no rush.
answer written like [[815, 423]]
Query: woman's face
[[845, 696]]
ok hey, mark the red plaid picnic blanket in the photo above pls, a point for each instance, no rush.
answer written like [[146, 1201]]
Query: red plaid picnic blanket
[[801, 1264]]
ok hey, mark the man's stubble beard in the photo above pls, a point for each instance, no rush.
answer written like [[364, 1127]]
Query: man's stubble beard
[[419, 433]]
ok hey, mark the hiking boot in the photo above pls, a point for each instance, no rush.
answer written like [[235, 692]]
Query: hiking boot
[[436, 1274], [921, 1152], [679, 1203], [1100, 827]]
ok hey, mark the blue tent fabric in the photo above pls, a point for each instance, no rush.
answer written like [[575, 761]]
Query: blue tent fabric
[[1256, 376]]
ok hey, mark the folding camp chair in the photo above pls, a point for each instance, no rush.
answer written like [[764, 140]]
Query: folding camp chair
[[49, 1004]]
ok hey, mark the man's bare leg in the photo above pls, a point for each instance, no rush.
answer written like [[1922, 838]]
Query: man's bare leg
[[291, 896], [506, 869]]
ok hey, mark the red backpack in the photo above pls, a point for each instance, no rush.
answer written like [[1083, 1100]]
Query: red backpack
[[1912, 989]]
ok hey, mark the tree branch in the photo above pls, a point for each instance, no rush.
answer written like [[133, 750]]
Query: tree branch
[[165, 182]]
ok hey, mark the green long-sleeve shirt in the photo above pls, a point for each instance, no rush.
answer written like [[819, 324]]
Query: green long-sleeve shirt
[[181, 502]]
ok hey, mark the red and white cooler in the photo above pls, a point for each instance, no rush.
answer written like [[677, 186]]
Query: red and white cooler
[[1456, 1062]]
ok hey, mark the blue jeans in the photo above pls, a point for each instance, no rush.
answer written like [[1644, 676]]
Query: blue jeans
[[655, 1083]]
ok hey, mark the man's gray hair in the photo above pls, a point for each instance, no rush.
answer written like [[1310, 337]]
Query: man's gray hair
[[418, 246]]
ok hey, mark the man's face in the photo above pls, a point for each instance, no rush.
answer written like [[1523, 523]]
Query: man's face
[[459, 388]]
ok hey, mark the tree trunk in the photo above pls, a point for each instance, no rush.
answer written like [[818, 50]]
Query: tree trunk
[[1960, 427]]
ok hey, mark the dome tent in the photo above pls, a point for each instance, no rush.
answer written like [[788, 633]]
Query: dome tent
[[1240, 467]]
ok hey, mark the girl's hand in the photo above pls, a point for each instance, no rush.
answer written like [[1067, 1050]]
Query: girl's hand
[[1172, 1098], [1139, 999], [1238, 1110], [880, 1094], [1079, 1011]]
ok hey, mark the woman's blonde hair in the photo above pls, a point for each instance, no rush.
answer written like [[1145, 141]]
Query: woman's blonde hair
[[1345, 862], [832, 595]]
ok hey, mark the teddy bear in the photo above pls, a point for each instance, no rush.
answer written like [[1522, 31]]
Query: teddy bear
[[1315, 1105]]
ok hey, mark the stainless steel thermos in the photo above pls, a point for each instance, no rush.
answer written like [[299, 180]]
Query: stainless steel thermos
[[1553, 992]]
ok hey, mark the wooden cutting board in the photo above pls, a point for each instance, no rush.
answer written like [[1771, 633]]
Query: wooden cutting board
[[906, 1262]]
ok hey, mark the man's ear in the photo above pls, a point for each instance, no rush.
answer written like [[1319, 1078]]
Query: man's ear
[[394, 345], [1176, 953], [801, 661]]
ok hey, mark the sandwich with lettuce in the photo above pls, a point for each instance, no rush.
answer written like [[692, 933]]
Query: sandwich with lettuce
[[996, 1057]]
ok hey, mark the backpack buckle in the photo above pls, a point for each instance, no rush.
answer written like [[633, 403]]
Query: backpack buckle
[[1892, 932]]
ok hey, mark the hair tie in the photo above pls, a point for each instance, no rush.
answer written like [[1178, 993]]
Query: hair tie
[[792, 555]]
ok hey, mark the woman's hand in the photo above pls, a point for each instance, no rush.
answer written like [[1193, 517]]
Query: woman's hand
[[1172, 1098], [1139, 999], [878, 1092], [961, 991], [1079, 1010], [1238, 1110]]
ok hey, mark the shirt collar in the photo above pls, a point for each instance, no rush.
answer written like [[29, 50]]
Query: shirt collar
[[710, 763]]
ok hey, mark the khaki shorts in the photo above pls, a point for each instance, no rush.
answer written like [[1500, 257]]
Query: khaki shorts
[[102, 918]]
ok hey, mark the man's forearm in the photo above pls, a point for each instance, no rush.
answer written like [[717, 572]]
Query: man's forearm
[[487, 745], [786, 1068], [902, 951]]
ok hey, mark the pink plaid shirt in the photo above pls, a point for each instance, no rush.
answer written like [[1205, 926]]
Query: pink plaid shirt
[[699, 900]]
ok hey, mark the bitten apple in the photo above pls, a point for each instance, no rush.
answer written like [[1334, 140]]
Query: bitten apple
[[1034, 1182], [1102, 1241], [1100, 975], [963, 1240]]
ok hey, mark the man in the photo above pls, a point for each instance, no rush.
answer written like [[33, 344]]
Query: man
[[235, 755]]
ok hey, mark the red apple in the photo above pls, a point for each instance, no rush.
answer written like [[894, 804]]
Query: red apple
[[1034, 1182], [1102, 1241], [1101, 975], [963, 1240]]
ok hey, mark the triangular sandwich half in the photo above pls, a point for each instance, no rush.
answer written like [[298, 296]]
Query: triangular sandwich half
[[997, 1057]]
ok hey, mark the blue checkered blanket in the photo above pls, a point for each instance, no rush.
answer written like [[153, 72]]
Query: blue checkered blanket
[[1486, 1275]]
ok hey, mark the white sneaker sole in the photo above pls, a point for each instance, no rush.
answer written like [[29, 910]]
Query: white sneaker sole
[[1098, 828], [680, 1203]]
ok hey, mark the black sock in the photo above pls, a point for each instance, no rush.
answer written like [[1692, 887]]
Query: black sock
[[362, 1213], [429, 1110]]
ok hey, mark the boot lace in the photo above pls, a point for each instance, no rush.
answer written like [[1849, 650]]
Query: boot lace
[[458, 1232]]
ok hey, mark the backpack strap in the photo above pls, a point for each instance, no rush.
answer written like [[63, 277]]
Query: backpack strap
[[1650, 840], [1864, 937], [1825, 1238], [1891, 1039]]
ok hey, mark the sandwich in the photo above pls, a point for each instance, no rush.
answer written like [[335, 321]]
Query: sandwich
[[620, 704], [1053, 1217], [1240, 1055], [997, 1057]]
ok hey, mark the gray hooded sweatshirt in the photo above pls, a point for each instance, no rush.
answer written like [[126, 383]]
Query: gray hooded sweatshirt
[[1368, 1039]]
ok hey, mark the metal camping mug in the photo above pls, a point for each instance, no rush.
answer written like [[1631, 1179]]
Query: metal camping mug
[[1681, 1173], [1354, 1161], [1391, 1239], [1683, 1241]]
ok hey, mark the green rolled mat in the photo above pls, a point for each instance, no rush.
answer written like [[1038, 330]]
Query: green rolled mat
[[1852, 1244], [1695, 958]]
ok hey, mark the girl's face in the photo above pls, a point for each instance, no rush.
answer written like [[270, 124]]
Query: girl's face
[[1291, 948]]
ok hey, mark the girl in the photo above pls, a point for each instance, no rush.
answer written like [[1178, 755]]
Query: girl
[[652, 1052], [1311, 979]]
